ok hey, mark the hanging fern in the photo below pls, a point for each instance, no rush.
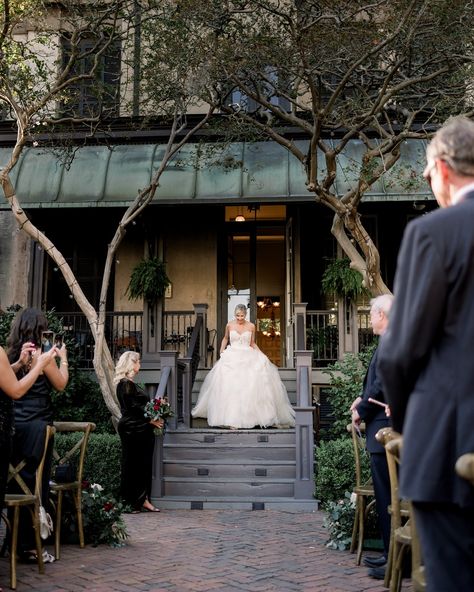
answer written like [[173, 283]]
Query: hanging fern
[[340, 279], [148, 280]]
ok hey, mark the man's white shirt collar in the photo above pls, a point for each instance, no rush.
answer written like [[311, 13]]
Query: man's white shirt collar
[[461, 194]]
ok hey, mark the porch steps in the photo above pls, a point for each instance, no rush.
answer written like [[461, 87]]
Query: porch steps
[[220, 468]]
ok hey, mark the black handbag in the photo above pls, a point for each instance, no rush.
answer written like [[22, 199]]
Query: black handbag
[[65, 473]]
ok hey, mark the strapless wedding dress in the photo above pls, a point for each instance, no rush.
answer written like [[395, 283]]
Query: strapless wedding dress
[[244, 389]]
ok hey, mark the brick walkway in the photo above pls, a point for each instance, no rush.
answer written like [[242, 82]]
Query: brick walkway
[[210, 550]]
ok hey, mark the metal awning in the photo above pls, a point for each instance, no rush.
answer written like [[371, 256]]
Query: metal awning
[[101, 176]]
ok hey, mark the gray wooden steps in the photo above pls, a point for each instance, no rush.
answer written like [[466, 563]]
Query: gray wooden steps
[[209, 468]]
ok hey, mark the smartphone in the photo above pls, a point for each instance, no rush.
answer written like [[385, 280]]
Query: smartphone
[[58, 340], [47, 340]]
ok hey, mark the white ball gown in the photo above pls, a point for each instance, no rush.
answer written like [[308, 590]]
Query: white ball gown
[[244, 389]]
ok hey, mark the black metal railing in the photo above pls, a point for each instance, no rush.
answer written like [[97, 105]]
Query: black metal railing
[[322, 336], [123, 331], [364, 327], [177, 330]]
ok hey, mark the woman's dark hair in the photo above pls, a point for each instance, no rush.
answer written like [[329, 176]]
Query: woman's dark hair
[[28, 325]]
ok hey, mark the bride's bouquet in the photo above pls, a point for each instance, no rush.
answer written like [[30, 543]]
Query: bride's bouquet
[[159, 408]]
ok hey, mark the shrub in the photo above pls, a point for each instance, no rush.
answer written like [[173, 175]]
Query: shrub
[[102, 461], [346, 380], [339, 522], [335, 469]]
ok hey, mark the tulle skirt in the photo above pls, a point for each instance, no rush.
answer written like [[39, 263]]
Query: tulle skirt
[[244, 390]]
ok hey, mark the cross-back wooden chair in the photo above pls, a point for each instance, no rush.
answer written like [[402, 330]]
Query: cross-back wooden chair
[[364, 492], [418, 577], [29, 499], [75, 455], [401, 539]]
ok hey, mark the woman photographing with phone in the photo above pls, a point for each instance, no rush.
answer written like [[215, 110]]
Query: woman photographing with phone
[[34, 411], [12, 389]]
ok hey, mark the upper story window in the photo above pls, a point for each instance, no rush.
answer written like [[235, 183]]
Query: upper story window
[[267, 86], [89, 97]]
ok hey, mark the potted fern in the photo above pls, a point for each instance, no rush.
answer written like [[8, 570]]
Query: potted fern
[[148, 280], [340, 279]]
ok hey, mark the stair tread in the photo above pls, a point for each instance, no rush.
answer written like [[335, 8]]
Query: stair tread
[[253, 479], [231, 462]]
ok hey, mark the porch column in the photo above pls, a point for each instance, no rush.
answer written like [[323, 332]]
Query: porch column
[[200, 310], [304, 482], [300, 325], [151, 331], [168, 368]]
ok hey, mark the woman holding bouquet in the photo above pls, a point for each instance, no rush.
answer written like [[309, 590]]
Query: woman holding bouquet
[[136, 434], [243, 389]]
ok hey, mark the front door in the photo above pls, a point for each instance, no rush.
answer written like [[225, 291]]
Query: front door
[[255, 274]]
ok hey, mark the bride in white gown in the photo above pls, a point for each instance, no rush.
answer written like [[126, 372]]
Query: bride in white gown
[[243, 389]]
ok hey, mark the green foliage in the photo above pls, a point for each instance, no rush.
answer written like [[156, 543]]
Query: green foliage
[[335, 468], [6, 320], [339, 521], [102, 461], [340, 279], [346, 380], [148, 280], [102, 513]]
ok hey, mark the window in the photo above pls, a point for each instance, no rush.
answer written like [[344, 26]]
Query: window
[[266, 85], [91, 96]]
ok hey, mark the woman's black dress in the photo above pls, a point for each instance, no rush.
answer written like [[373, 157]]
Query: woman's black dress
[[138, 442], [32, 413], [6, 431]]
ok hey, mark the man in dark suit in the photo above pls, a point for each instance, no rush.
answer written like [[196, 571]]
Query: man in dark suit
[[375, 418], [426, 361]]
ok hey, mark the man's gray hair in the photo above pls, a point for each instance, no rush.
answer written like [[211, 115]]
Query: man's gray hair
[[454, 143], [382, 303]]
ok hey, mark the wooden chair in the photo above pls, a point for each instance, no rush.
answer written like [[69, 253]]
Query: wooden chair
[[76, 454], [418, 578], [26, 499], [401, 540], [363, 492]]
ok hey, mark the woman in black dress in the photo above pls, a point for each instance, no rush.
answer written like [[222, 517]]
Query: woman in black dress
[[33, 413], [13, 389], [136, 435]]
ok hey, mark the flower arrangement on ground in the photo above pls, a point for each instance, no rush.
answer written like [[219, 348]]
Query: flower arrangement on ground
[[159, 408], [102, 514], [339, 521]]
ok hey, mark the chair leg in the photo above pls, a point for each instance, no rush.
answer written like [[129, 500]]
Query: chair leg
[[57, 534], [39, 545], [389, 568], [360, 542], [80, 526], [355, 527], [396, 579], [13, 546]]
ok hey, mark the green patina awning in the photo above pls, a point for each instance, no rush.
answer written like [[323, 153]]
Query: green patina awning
[[101, 176]]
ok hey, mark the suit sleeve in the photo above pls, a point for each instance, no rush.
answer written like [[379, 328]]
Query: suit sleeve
[[417, 313], [373, 389]]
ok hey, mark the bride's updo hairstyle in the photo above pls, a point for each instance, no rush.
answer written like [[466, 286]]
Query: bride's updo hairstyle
[[240, 308]]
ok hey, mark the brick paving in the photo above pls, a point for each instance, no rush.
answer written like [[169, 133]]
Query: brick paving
[[209, 550]]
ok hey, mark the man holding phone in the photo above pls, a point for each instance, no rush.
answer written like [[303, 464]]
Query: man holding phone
[[371, 409]]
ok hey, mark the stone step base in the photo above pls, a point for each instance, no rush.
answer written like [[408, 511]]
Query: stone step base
[[218, 469], [212, 487], [235, 503]]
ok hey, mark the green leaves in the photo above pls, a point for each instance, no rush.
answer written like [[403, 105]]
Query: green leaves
[[148, 280], [340, 279]]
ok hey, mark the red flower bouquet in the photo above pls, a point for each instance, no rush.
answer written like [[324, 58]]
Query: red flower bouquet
[[158, 408]]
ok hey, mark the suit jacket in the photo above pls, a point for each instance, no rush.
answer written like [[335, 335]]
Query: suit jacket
[[426, 357], [372, 414]]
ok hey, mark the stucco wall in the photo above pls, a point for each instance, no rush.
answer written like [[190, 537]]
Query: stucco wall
[[14, 262]]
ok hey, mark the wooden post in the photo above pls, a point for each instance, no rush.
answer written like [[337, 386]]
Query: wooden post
[[300, 325], [304, 482], [200, 310]]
